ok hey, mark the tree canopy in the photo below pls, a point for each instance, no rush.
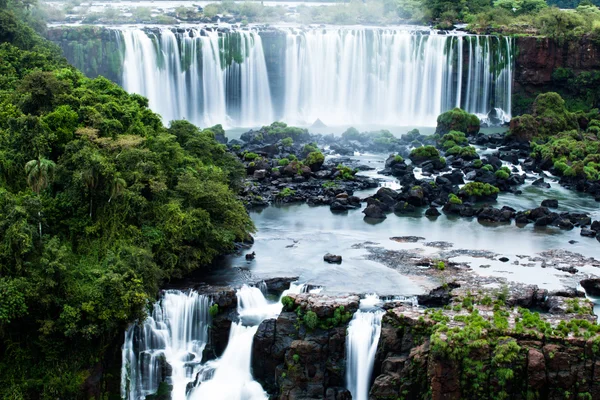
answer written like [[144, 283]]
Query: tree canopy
[[99, 202]]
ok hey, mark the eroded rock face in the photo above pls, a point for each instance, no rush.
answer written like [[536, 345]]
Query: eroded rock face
[[293, 361], [413, 360]]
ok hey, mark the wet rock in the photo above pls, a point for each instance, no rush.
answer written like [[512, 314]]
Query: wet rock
[[402, 207], [407, 239], [438, 297], [591, 286], [503, 259], [432, 212], [332, 258], [374, 211], [550, 203], [541, 183]]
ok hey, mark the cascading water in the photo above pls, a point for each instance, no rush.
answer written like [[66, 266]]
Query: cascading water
[[339, 75], [173, 338], [361, 346]]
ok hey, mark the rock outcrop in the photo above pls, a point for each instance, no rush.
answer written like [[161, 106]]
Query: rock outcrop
[[300, 355]]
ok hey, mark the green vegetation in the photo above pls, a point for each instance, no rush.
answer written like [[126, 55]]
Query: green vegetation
[[424, 152], [345, 172], [440, 265], [459, 121], [213, 310], [468, 152], [479, 189], [288, 141], [311, 320], [503, 173], [315, 160], [453, 138], [99, 203], [283, 162], [286, 192], [566, 141], [398, 158], [288, 303], [454, 199]]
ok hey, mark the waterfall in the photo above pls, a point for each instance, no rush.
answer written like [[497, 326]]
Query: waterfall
[[171, 338], [168, 347], [340, 75], [361, 346]]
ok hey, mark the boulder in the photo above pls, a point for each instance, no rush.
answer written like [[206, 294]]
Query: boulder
[[332, 258], [374, 211], [550, 203], [591, 286]]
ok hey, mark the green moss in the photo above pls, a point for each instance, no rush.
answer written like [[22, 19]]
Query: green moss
[[454, 199], [479, 189], [283, 162], [398, 158], [286, 192], [315, 158], [288, 141], [288, 303], [249, 156], [425, 152], [311, 320], [457, 120], [213, 310]]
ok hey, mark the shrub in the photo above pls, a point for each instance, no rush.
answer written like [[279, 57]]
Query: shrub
[[283, 162], [288, 141], [288, 303], [454, 199], [311, 320], [398, 158], [425, 152], [346, 173], [479, 189], [249, 156], [457, 120], [502, 174], [213, 310], [351, 134], [315, 160], [477, 163], [286, 192]]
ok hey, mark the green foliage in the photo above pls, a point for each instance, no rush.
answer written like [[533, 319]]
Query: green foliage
[[213, 310], [457, 120], [311, 320], [314, 159], [453, 138], [440, 265], [283, 162], [288, 141], [346, 173], [425, 152], [468, 152], [288, 303], [477, 163], [249, 156], [351, 134], [479, 189], [398, 158], [454, 199], [286, 192], [502, 174], [99, 203]]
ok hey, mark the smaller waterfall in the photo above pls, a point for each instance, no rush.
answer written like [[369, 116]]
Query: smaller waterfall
[[361, 346], [167, 347]]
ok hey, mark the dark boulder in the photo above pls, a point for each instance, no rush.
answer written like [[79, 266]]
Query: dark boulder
[[332, 258], [374, 211], [550, 203], [591, 286]]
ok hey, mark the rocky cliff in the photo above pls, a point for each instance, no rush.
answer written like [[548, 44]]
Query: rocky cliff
[[544, 64]]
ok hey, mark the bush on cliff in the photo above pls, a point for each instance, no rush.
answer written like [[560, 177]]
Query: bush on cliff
[[99, 203], [549, 117], [457, 120]]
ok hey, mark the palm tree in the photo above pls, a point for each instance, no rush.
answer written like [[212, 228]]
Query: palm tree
[[117, 187], [40, 173], [90, 177]]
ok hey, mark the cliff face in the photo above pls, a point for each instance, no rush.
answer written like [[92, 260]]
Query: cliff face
[[539, 60], [540, 367]]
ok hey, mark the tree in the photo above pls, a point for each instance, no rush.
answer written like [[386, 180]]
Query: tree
[[40, 173], [117, 187]]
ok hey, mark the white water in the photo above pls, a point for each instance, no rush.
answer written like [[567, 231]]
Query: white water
[[361, 346], [341, 76], [177, 331]]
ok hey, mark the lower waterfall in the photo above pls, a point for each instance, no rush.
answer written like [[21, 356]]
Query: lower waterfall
[[167, 348], [361, 346]]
